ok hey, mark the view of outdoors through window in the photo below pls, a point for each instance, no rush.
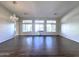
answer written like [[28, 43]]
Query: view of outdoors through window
[[39, 25]]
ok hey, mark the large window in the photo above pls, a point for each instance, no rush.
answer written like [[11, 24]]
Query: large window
[[27, 26], [39, 25], [50, 26]]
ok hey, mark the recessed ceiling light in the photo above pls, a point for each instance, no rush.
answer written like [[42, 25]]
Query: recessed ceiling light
[[14, 2], [55, 13], [25, 13]]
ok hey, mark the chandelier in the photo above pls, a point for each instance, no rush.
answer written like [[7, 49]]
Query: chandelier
[[13, 17]]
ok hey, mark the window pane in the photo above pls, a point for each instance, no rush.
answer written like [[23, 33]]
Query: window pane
[[48, 27], [27, 21], [39, 21], [51, 28], [27, 27], [51, 21], [39, 27], [23, 28]]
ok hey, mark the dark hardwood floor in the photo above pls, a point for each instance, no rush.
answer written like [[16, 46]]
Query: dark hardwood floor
[[31, 46]]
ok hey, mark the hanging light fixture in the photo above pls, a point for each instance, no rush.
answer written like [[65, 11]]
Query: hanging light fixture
[[13, 17]]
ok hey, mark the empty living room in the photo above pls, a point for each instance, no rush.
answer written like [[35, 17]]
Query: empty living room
[[39, 28]]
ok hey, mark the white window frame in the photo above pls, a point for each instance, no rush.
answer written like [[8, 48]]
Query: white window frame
[[51, 23], [39, 22], [44, 23], [25, 26]]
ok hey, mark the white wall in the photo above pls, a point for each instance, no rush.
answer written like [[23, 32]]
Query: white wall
[[70, 25], [70, 32], [6, 26]]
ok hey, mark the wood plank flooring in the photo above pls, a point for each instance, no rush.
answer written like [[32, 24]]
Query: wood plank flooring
[[31, 46]]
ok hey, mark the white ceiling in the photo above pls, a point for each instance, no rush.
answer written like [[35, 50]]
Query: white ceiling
[[40, 8]]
